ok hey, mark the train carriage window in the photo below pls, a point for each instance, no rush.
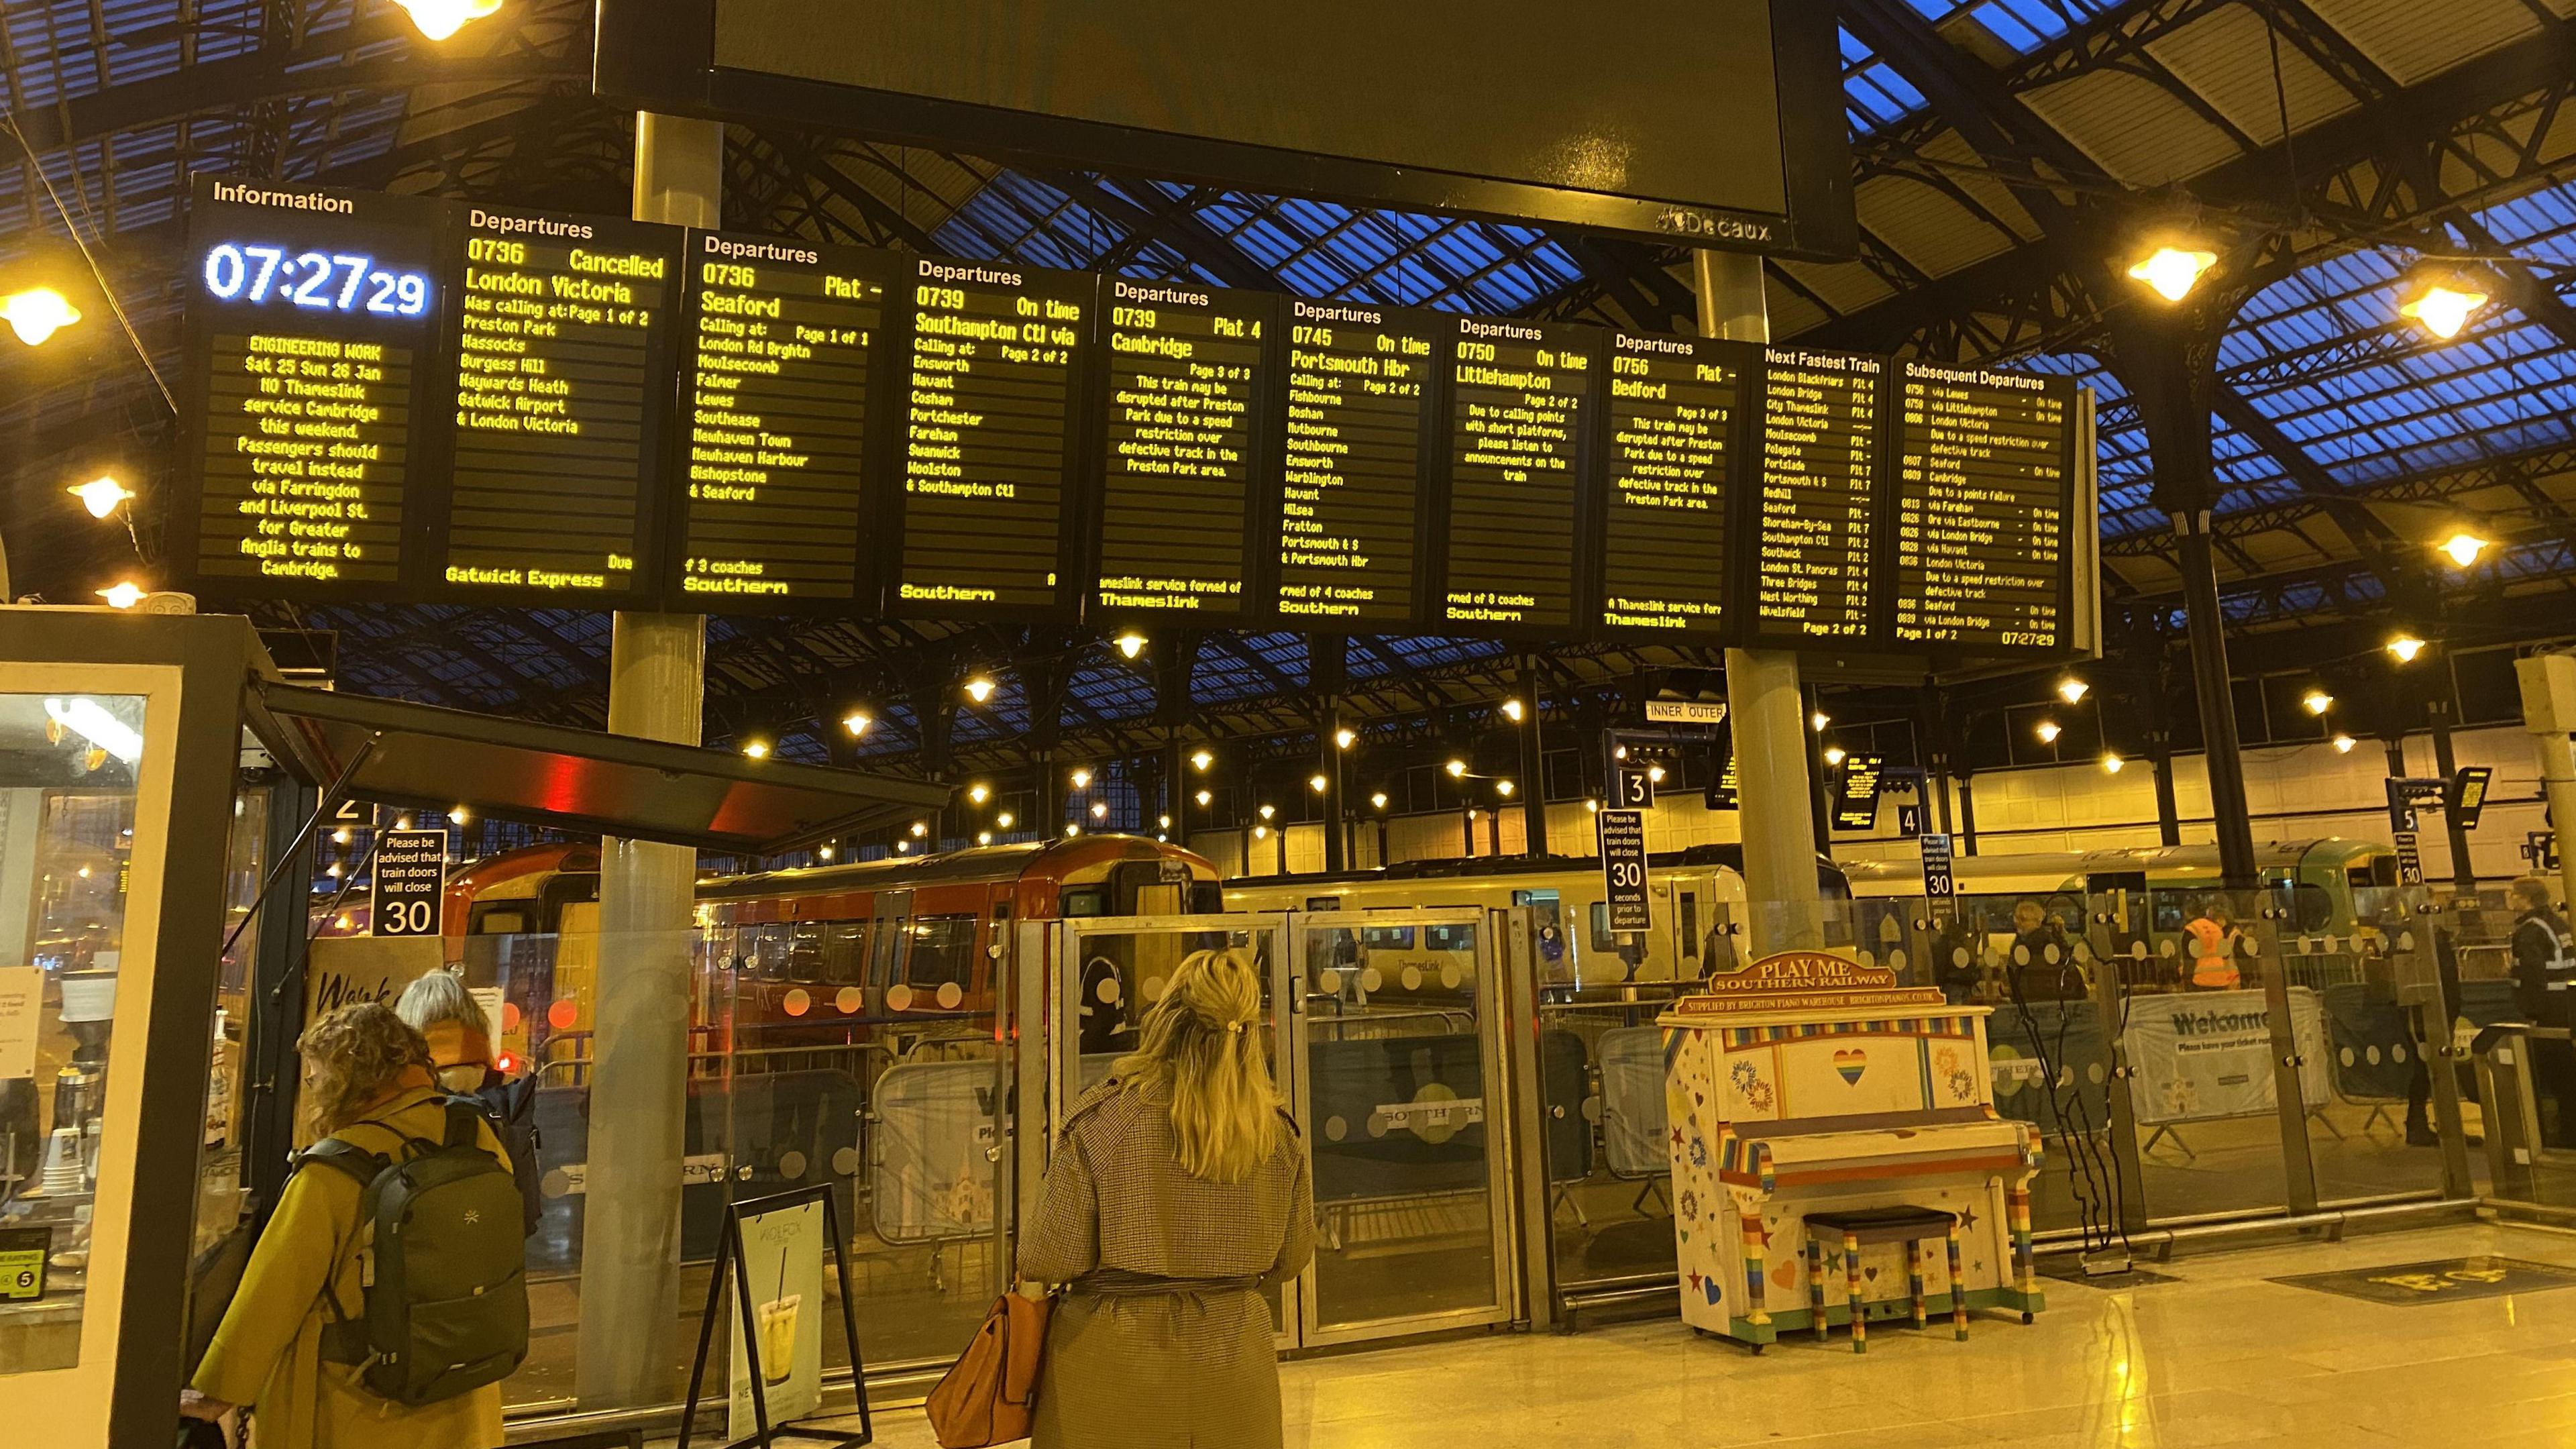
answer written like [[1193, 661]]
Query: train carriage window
[[845, 952], [1690, 925], [1450, 938], [1602, 939], [1387, 938], [491, 918], [2310, 908], [943, 952], [1087, 901]]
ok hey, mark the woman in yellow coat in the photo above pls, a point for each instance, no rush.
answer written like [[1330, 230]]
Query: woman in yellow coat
[[367, 1081], [1177, 1196]]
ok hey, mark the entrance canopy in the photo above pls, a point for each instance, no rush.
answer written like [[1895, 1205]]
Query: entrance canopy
[[434, 760]]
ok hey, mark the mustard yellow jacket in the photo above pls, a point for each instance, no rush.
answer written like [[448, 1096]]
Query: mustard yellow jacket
[[268, 1352]]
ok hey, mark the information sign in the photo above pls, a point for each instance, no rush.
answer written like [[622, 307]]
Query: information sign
[[23, 1254], [1984, 498], [1350, 504], [1518, 407], [1686, 711], [1189, 370], [1909, 820], [780, 340], [995, 357], [312, 323], [1814, 515], [1623, 869], [1938, 883], [1674, 410], [410, 870], [2409, 796], [1633, 787], [2467, 799], [1857, 785], [2410, 860]]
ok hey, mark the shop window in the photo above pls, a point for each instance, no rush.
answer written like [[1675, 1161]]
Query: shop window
[[943, 951]]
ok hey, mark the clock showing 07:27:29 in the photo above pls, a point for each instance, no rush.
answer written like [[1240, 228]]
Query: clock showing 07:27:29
[[318, 281]]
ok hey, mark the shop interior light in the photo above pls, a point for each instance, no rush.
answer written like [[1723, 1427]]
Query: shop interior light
[[2072, 689], [857, 722], [1503, 788], [1819, 720], [37, 314], [1005, 820], [1099, 809], [1268, 810], [1512, 710], [1834, 755], [1206, 798], [123, 595], [979, 792], [2048, 732], [1130, 644], [100, 495], [2317, 702], [1318, 783], [2111, 764], [1457, 769], [439, 19], [920, 828], [2443, 298], [1081, 779], [90, 720], [1655, 774], [2463, 547], [980, 688], [757, 749], [1378, 799], [1200, 760], [2405, 647], [2172, 271], [1345, 737], [2343, 744]]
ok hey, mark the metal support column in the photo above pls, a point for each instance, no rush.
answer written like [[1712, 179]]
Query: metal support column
[[2230, 816], [628, 1332], [1533, 783], [2438, 699], [1781, 889], [1327, 669], [2549, 713]]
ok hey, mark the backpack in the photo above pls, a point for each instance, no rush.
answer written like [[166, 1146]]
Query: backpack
[[443, 1261], [510, 1107]]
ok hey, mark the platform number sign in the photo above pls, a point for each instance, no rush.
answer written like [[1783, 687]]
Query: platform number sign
[[1623, 869], [2410, 861], [1937, 882], [1909, 821], [410, 876], [1636, 788]]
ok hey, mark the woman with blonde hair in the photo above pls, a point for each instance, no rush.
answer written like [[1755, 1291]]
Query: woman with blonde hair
[[366, 1081], [1177, 1196]]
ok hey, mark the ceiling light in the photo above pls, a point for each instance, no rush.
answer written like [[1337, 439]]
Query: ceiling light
[[1503, 788], [903, 847], [1345, 737], [2442, 298], [1592, 806], [2072, 689], [920, 828], [1268, 811], [980, 688], [2405, 647], [1655, 773], [757, 749], [1071, 830], [1819, 720], [983, 837], [1100, 810], [1318, 783], [1512, 710], [402, 822], [340, 836], [2048, 732], [1206, 798], [1261, 832], [37, 314], [2317, 701], [2111, 764], [1081, 779], [456, 816], [333, 871], [1164, 821], [979, 792], [2171, 272], [857, 721], [439, 19], [1378, 799], [824, 850], [122, 596], [90, 720], [1457, 769], [1834, 755], [1201, 759], [1620, 753], [100, 495], [1004, 820], [2464, 547], [1131, 644], [2343, 744]]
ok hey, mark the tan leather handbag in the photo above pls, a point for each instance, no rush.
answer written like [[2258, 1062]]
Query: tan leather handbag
[[989, 1396]]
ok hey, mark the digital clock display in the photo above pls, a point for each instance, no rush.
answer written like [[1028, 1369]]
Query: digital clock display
[[322, 281]]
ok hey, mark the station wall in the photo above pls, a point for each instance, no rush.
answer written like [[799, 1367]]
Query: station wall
[[2296, 792]]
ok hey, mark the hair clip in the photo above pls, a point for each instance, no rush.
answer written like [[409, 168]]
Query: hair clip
[[1234, 1027]]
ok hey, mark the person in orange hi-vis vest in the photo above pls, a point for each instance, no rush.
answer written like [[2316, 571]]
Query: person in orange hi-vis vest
[[2213, 950]]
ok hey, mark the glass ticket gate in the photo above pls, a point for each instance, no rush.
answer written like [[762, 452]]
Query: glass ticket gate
[[1386, 1041]]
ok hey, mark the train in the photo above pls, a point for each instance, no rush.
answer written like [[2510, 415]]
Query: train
[[2330, 886]]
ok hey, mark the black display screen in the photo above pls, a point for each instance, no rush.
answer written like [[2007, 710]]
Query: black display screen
[[313, 318], [1813, 520], [780, 339], [1360, 383], [1985, 480], [1189, 369], [1675, 404], [992, 369], [1520, 402], [563, 384]]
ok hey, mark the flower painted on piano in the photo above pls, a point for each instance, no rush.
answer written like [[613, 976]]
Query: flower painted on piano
[[1688, 1206], [1699, 1152], [1963, 1086]]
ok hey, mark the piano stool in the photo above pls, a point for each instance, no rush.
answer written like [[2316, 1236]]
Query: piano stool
[[1864, 1227]]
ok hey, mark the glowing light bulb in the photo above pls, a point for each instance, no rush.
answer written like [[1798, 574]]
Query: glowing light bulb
[[1071, 830], [980, 688], [2111, 764], [37, 314], [1591, 807], [1318, 783], [983, 837], [979, 792], [1205, 797], [1512, 710], [2072, 689], [1131, 644], [2444, 307], [1834, 755], [1655, 773], [824, 851], [439, 19], [1378, 799], [1081, 779], [920, 828], [1004, 820], [1457, 769], [1261, 832], [122, 596], [456, 816], [340, 836], [1268, 811], [1201, 759], [1819, 720], [100, 495], [1503, 788], [1164, 821], [2405, 647], [2343, 744], [1100, 810], [2317, 701], [2464, 547], [2171, 272], [2048, 732], [857, 721], [1345, 737], [757, 749]]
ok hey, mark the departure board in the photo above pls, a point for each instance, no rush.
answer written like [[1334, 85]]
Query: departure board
[[312, 326], [563, 381], [994, 357], [1985, 479], [1350, 499], [774, 414], [1813, 518], [1189, 369], [1520, 400], [1674, 406]]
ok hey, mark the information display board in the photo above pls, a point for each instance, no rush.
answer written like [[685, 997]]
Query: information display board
[[312, 321], [1189, 374], [1858, 782], [1984, 501], [1675, 407], [993, 370], [780, 342], [1360, 385], [1520, 407], [1813, 516], [562, 346]]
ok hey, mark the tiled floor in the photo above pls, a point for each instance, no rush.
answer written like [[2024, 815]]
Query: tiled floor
[[2220, 1357]]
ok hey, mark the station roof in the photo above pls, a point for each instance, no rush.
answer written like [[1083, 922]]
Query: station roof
[[2003, 149]]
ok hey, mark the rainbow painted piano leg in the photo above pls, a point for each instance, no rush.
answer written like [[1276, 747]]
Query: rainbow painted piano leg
[[2025, 1274]]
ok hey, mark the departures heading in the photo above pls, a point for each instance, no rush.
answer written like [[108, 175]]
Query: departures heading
[[396, 399]]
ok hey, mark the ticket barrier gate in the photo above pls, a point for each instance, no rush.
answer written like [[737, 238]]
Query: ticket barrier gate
[[1387, 1040]]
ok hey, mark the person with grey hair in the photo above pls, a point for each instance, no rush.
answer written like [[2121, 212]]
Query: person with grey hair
[[447, 1016]]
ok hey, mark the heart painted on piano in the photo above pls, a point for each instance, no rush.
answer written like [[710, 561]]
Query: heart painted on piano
[[1851, 1062], [1709, 1286], [1786, 1275]]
